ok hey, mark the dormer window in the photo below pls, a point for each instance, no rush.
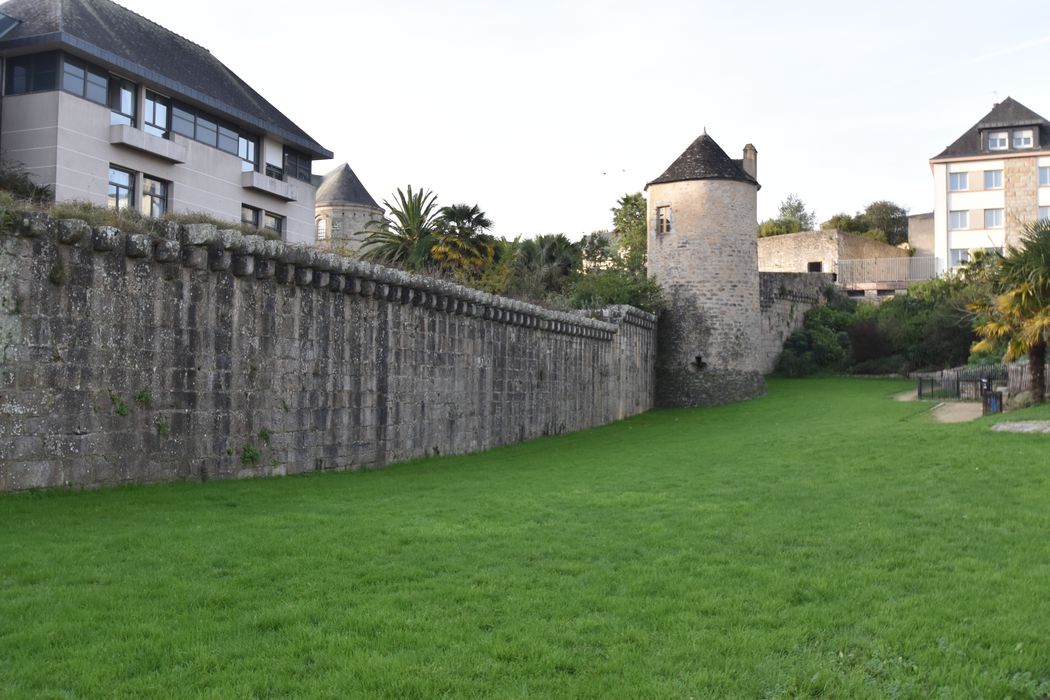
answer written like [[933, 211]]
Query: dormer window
[[1023, 138], [998, 141]]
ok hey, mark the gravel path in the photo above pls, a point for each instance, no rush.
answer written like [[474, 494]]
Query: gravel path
[[1023, 426], [957, 412]]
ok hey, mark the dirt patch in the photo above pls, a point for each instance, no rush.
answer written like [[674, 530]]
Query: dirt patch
[[1023, 426], [910, 395], [957, 412]]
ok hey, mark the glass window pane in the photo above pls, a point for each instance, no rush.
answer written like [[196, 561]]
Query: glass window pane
[[18, 80], [182, 121], [206, 130], [97, 86], [72, 78], [228, 139]]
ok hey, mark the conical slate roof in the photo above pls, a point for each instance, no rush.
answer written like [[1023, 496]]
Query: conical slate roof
[[1007, 114], [704, 160], [342, 186]]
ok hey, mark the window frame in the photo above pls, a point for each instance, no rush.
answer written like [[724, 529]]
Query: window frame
[[957, 257], [997, 179], [150, 198], [998, 140], [278, 225], [117, 87], [254, 219], [321, 229], [994, 215], [36, 67], [149, 124], [952, 177], [1044, 176], [1019, 134], [964, 214], [663, 219], [297, 164], [1044, 213], [114, 202]]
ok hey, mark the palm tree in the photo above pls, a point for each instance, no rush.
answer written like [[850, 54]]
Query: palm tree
[[1018, 311], [543, 264], [463, 247], [408, 238]]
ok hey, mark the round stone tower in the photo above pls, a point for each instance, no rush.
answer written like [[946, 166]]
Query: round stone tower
[[342, 210], [703, 250]]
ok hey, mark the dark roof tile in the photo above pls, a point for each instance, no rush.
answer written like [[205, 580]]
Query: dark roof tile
[[704, 160], [1006, 114], [342, 186]]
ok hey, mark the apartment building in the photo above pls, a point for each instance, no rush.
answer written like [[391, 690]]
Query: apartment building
[[106, 106], [990, 183]]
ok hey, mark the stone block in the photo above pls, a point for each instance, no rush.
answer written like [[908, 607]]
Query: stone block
[[73, 231], [106, 238], [138, 245]]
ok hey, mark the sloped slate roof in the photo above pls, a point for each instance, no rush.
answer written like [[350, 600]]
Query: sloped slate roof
[[130, 43], [704, 160], [342, 186], [1008, 113]]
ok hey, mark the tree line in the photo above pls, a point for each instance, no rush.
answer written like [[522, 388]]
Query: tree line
[[881, 221], [455, 242]]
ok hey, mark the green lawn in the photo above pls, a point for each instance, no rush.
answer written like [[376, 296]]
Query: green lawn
[[823, 541]]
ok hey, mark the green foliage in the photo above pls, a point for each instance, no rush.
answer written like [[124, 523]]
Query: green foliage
[[144, 397], [629, 231], [462, 247], [615, 285], [792, 218], [250, 455], [15, 180], [596, 249], [881, 221], [163, 427], [408, 238], [119, 405], [265, 435], [542, 266]]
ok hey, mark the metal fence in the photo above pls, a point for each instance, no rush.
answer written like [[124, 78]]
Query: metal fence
[[963, 383], [852, 273]]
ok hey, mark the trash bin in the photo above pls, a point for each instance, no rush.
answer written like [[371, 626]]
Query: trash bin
[[992, 402]]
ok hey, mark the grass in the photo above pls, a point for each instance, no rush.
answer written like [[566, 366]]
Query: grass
[[823, 541]]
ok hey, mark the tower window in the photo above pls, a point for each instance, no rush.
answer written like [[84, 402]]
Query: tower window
[[663, 219], [322, 229]]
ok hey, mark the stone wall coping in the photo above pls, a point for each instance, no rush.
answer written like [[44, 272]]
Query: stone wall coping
[[306, 265]]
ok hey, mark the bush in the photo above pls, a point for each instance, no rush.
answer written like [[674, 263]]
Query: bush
[[598, 288]]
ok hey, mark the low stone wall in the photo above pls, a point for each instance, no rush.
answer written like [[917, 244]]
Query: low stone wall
[[199, 354], [785, 297]]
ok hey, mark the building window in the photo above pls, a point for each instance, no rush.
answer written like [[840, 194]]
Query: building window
[[273, 222], [297, 165], [958, 219], [182, 121], [85, 81], [246, 149], [122, 101], [663, 219], [158, 108], [120, 188], [993, 218], [274, 172], [958, 256], [958, 181], [36, 73], [1044, 213], [322, 229], [1044, 177], [993, 179], [249, 216], [206, 131], [1023, 138], [998, 141], [154, 197], [815, 267]]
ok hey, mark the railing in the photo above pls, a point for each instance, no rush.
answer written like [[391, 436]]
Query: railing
[[961, 383], [853, 273]]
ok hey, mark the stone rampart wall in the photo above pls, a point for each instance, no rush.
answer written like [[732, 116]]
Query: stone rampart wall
[[199, 354], [785, 298]]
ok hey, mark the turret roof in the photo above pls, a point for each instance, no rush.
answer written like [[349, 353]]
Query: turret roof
[[342, 186], [704, 160]]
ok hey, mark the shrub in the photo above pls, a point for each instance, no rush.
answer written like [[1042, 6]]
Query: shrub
[[597, 288]]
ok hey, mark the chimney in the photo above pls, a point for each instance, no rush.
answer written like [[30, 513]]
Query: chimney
[[751, 161]]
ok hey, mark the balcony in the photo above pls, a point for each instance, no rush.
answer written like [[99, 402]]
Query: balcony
[[270, 185], [885, 273], [124, 135]]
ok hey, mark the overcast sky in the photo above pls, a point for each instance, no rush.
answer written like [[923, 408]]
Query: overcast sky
[[544, 112]]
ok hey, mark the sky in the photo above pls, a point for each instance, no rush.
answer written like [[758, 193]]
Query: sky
[[545, 112]]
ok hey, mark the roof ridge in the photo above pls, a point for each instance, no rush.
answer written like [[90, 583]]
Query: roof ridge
[[145, 18]]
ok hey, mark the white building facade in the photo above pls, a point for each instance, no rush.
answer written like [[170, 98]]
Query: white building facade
[[992, 182], [107, 107]]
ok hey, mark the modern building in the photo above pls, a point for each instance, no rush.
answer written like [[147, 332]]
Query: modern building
[[343, 211], [106, 106], [990, 183], [702, 223]]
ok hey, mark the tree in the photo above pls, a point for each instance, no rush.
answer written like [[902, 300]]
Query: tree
[[542, 265], [889, 218], [1018, 309], [792, 218], [596, 249], [408, 238], [629, 229], [463, 247]]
